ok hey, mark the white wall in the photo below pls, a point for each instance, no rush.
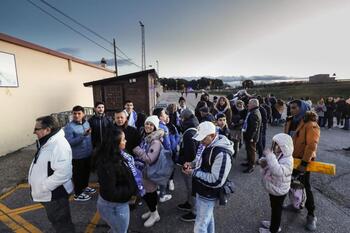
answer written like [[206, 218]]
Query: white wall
[[45, 86]]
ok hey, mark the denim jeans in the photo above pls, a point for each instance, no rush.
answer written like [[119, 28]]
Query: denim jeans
[[204, 215], [116, 215]]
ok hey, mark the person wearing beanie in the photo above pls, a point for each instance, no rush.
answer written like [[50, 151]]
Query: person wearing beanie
[[206, 115], [148, 151]]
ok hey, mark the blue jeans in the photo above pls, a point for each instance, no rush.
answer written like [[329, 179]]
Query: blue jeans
[[204, 215], [115, 214]]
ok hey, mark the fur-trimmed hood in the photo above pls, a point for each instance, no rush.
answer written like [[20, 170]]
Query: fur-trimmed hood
[[310, 116], [156, 135]]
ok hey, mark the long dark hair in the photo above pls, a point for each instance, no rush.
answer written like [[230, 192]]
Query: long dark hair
[[109, 150]]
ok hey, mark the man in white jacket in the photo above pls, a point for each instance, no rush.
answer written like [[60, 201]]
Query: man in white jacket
[[50, 173]]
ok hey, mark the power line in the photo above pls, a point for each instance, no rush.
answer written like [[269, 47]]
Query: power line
[[85, 27], [76, 31]]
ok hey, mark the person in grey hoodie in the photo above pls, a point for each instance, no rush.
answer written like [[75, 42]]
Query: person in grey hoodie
[[213, 164], [277, 168]]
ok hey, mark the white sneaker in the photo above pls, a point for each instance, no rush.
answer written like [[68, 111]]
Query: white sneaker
[[264, 230], [165, 198], [266, 225], [82, 197], [146, 215], [152, 219], [171, 185], [89, 190]]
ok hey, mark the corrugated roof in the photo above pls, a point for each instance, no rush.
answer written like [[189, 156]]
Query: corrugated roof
[[26, 44]]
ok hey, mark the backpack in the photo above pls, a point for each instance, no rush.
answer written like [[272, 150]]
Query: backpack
[[160, 171], [297, 193]]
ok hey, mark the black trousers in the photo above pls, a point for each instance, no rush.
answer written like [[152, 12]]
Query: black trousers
[[330, 121], [151, 200], [81, 174], [58, 213], [310, 203], [276, 212], [251, 152]]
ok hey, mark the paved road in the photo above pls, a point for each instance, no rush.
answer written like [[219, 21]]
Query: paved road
[[245, 210]]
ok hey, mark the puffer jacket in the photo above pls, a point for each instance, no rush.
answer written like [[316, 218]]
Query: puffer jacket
[[81, 144], [149, 155], [277, 174], [306, 137], [51, 172], [214, 168]]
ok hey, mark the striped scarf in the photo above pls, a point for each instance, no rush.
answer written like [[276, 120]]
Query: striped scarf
[[135, 172], [198, 159]]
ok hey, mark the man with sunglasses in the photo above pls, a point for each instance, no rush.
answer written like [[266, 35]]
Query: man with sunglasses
[[50, 173], [303, 128]]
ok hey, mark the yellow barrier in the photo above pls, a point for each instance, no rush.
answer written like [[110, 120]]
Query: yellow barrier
[[320, 167]]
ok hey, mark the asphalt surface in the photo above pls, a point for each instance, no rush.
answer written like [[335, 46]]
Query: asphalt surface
[[243, 213]]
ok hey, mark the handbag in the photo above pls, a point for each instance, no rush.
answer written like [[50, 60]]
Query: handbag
[[225, 192]]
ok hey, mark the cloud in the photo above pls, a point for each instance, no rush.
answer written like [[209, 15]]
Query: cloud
[[70, 51], [110, 62]]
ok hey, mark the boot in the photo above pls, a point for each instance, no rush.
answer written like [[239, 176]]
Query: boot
[[311, 223], [152, 219], [146, 215]]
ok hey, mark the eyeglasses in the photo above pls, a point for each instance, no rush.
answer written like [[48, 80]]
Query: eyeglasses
[[36, 129]]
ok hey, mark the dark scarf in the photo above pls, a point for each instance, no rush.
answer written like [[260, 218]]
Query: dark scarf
[[41, 142]]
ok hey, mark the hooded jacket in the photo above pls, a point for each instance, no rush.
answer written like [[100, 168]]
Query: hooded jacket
[[305, 137], [277, 174], [188, 146], [214, 168], [52, 170], [149, 154]]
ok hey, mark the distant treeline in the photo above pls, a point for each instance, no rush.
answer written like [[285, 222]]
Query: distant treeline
[[202, 83]]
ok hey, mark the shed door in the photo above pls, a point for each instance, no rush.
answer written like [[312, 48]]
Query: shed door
[[113, 97]]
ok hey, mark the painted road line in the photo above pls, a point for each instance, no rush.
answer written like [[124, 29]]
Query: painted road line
[[12, 219], [92, 225], [25, 209], [8, 193], [12, 224]]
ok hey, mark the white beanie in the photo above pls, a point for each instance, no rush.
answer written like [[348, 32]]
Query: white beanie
[[154, 120]]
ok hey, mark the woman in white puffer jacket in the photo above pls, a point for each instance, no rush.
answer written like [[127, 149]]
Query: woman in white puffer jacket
[[277, 167]]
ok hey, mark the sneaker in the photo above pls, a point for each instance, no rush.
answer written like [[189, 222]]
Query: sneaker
[[185, 206], [190, 217], [171, 185], [154, 217], [311, 223], [249, 170], [89, 190], [266, 224], [264, 230], [291, 208], [165, 198], [346, 149], [146, 215], [82, 197]]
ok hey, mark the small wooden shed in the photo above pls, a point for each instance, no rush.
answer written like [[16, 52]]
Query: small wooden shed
[[139, 87]]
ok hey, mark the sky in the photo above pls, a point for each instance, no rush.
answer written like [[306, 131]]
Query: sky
[[194, 38]]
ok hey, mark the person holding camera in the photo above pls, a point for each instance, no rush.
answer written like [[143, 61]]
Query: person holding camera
[[213, 164], [276, 168]]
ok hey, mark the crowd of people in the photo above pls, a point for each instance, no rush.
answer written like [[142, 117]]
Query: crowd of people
[[125, 150]]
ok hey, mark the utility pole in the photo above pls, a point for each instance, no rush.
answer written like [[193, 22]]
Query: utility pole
[[157, 66], [115, 58], [143, 56]]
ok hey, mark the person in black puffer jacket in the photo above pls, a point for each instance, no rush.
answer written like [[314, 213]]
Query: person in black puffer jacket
[[188, 148]]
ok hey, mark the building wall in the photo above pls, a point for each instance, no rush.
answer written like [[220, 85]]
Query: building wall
[[46, 85]]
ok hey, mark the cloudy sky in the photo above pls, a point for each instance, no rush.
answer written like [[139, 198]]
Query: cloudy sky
[[295, 38]]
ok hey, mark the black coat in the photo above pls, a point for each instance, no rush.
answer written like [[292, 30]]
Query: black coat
[[253, 125], [132, 136], [188, 146], [238, 118], [99, 125]]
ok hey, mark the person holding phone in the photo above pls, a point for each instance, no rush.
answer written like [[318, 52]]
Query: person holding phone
[[277, 168], [78, 134]]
